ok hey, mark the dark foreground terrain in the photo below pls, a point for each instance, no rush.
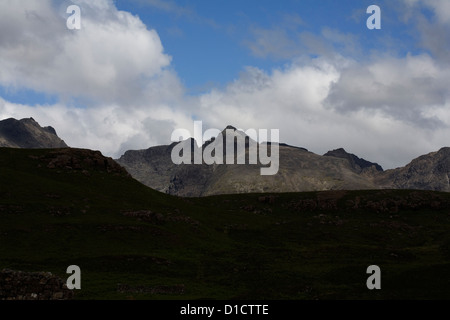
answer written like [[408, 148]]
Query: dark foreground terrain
[[74, 207]]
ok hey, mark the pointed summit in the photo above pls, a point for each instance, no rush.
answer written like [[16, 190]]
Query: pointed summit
[[355, 161], [230, 127], [231, 132], [27, 133]]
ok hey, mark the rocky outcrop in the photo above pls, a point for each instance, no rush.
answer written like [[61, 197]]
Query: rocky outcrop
[[19, 285], [299, 170], [27, 133], [81, 160], [356, 162], [427, 172], [152, 167]]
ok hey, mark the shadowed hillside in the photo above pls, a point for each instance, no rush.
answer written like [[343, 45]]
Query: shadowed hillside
[[70, 206]]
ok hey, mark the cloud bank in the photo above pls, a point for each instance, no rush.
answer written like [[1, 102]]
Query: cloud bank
[[117, 89]]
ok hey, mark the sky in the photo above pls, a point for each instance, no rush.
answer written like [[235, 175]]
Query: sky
[[136, 70]]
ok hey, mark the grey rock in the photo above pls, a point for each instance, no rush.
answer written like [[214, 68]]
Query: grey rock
[[27, 133], [427, 172], [356, 162], [300, 170]]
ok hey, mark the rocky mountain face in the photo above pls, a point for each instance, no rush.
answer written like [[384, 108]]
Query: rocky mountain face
[[154, 167], [27, 133], [356, 162], [299, 170], [427, 172], [80, 160]]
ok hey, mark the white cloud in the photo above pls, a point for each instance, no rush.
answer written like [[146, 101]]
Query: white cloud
[[110, 128], [441, 9], [431, 29], [401, 87], [385, 111], [388, 110], [113, 58], [114, 70]]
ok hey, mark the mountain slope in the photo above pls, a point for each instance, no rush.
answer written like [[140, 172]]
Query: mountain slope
[[299, 170], [356, 162], [27, 133], [427, 172]]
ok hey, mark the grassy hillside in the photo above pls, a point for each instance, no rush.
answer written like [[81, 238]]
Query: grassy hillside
[[71, 206]]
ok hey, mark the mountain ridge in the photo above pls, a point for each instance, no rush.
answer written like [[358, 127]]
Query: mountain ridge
[[27, 133], [300, 170], [426, 172], [357, 163]]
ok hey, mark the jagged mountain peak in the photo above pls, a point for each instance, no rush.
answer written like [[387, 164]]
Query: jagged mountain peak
[[427, 172], [300, 170], [27, 133], [355, 161], [233, 131], [338, 151], [230, 127]]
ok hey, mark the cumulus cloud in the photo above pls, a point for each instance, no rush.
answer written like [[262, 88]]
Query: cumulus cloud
[[111, 129], [400, 87], [441, 9], [386, 112], [113, 58], [114, 82], [385, 108], [430, 29]]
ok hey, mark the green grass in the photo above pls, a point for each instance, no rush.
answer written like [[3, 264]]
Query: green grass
[[219, 247]]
